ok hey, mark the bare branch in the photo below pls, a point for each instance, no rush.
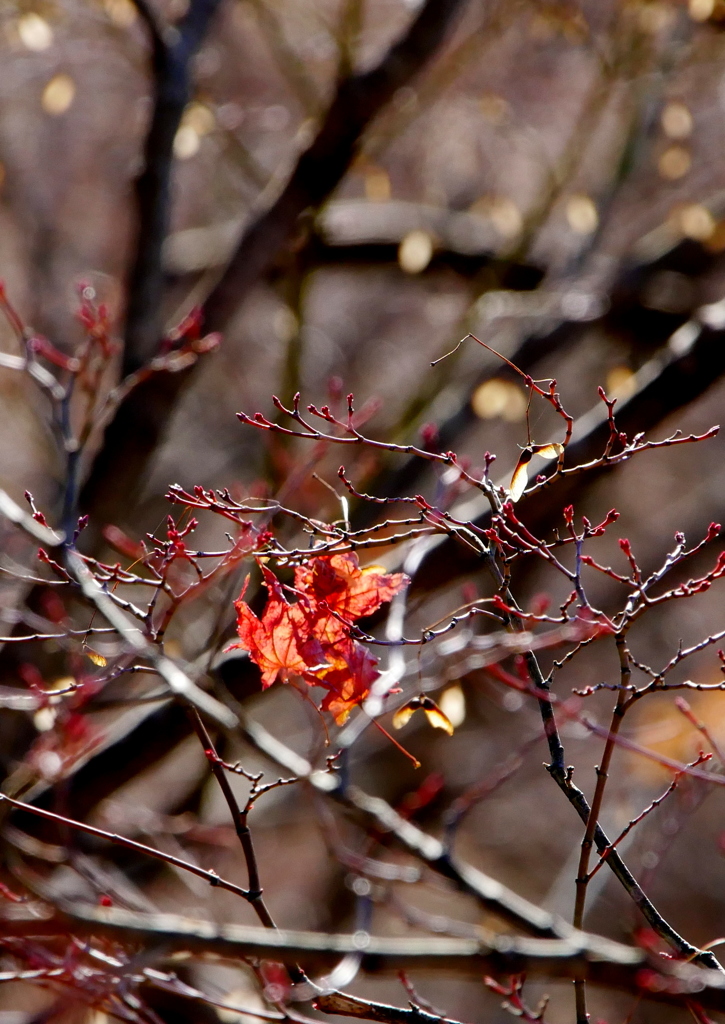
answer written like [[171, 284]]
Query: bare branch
[[494, 896], [599, 960], [210, 876], [321, 167], [176, 679], [680, 372], [43, 534], [142, 417], [350, 1006], [172, 52]]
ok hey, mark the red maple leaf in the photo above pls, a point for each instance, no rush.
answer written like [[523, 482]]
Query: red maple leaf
[[348, 680], [281, 641], [335, 588], [309, 638]]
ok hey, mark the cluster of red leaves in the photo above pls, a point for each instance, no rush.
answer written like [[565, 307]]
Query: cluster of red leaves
[[310, 638]]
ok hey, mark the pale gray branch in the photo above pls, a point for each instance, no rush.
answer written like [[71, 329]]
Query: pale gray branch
[[600, 960], [176, 679]]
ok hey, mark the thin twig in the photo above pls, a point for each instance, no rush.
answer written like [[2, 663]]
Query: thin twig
[[210, 876]]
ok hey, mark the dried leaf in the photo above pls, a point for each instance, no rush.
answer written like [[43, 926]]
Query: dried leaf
[[402, 716], [520, 477], [552, 450], [437, 718]]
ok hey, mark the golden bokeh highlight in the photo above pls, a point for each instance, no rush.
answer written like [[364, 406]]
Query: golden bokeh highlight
[[452, 703], [187, 142], [415, 252], [199, 117], [499, 398], [676, 121], [121, 12], [700, 10], [674, 163], [620, 382], [285, 324], [696, 222], [716, 241], [34, 32], [198, 121], [655, 17], [377, 185], [505, 217], [58, 95], [581, 214], [665, 730]]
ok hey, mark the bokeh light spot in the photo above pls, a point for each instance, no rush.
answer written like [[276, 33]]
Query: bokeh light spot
[[121, 12], [498, 397], [186, 142], [696, 222], [700, 10], [676, 121], [620, 382], [35, 33], [58, 95], [415, 252], [505, 217], [581, 214], [674, 163], [377, 185]]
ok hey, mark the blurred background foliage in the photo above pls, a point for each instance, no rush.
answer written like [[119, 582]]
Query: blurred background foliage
[[547, 175]]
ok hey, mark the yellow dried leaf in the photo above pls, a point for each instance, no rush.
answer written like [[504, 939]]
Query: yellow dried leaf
[[437, 718], [548, 451], [402, 716], [520, 478]]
